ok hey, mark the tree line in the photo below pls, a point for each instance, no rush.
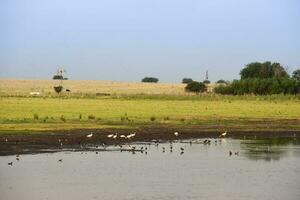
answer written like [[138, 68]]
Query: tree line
[[263, 79]]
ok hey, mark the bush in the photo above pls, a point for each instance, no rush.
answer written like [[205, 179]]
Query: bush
[[258, 86], [63, 118], [195, 87], [91, 117], [150, 80], [152, 119], [58, 89], [187, 80], [35, 116]]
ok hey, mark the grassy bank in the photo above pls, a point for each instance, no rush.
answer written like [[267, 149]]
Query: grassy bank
[[26, 114]]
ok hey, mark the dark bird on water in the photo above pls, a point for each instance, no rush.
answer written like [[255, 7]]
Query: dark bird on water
[[230, 153], [10, 163], [60, 160]]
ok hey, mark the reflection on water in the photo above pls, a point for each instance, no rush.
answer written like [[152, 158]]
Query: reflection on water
[[269, 149], [194, 169]]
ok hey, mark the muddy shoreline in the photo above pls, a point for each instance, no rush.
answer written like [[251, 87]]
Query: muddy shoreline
[[76, 139]]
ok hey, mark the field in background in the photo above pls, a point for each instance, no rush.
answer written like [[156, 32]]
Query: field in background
[[45, 87], [137, 104]]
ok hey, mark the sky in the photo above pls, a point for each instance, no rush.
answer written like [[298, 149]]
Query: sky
[[126, 40]]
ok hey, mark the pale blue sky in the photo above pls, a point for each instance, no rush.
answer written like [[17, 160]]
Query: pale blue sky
[[126, 40]]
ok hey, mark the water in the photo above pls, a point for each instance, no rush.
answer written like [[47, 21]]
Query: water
[[263, 169]]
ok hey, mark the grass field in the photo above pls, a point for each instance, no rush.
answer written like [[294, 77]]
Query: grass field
[[38, 114]]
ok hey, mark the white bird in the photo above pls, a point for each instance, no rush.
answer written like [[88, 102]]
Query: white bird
[[176, 134], [115, 136], [110, 135], [223, 134], [130, 135], [122, 136], [89, 135]]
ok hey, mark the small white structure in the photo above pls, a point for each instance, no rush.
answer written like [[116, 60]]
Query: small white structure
[[35, 93]]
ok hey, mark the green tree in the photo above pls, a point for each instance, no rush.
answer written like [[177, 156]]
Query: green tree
[[187, 80], [150, 80], [296, 75], [263, 70], [195, 86]]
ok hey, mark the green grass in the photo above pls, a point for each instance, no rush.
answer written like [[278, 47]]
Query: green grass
[[20, 113]]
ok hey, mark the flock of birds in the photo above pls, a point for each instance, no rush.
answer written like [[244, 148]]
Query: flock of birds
[[142, 149]]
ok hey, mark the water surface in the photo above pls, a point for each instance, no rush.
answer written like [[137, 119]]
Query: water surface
[[263, 169]]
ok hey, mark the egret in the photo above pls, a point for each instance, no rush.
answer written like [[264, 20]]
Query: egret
[[115, 136], [223, 134], [89, 135], [110, 135], [176, 134], [122, 136]]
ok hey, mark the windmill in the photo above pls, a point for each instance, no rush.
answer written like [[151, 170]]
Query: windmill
[[59, 76]]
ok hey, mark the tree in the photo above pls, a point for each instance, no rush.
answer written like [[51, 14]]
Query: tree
[[58, 89], [221, 81], [296, 75], [150, 80], [263, 70], [58, 77], [187, 80], [206, 81], [195, 86]]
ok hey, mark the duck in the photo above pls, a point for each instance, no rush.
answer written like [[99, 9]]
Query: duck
[[10, 163]]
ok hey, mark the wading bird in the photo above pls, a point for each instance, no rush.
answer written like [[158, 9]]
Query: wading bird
[[90, 135], [110, 135], [176, 134], [223, 134]]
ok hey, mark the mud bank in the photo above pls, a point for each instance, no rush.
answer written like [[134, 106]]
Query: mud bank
[[77, 139]]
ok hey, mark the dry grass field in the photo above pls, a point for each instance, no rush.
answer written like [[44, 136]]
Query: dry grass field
[[24, 87]]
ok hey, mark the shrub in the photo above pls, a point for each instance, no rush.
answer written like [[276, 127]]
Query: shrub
[[150, 80], [195, 87], [35, 116], [187, 80], [258, 86], [167, 118], [62, 118], [152, 119], [58, 89], [91, 117]]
